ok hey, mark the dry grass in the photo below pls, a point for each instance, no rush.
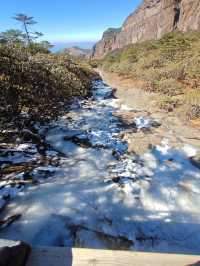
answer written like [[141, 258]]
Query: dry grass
[[170, 66]]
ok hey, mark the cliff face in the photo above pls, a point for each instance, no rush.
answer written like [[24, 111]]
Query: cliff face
[[107, 43], [151, 20]]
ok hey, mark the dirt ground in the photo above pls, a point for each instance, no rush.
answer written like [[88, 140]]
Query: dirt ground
[[173, 126]]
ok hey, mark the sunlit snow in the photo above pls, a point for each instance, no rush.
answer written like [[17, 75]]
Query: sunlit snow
[[150, 201]]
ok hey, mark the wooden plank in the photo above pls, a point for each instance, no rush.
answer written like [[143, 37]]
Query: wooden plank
[[89, 257]]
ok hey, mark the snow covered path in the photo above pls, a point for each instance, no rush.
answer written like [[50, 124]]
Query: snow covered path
[[100, 196]]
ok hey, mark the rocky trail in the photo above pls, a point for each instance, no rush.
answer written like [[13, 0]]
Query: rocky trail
[[86, 188]]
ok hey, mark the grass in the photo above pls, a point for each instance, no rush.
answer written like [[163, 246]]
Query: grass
[[171, 65]]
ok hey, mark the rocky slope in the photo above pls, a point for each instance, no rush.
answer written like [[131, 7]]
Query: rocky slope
[[107, 43], [151, 20]]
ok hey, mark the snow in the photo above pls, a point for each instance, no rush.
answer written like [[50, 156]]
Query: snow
[[19, 153], [2, 203], [48, 168], [142, 122], [10, 191], [189, 150], [124, 107], [27, 147], [152, 200]]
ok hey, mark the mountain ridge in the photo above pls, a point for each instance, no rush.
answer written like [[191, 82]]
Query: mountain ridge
[[77, 51], [151, 20]]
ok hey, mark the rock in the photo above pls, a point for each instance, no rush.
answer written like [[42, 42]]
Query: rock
[[29, 135], [14, 256], [195, 160], [106, 44], [5, 223], [17, 168], [152, 20], [82, 142]]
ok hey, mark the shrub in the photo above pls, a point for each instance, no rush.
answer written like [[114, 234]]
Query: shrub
[[170, 66], [169, 87], [38, 83], [168, 104], [193, 112]]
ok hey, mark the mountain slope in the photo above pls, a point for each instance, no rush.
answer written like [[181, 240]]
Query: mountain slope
[[77, 51], [169, 67], [152, 20]]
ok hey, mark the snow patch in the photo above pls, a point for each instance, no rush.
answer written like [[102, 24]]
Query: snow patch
[[150, 199]]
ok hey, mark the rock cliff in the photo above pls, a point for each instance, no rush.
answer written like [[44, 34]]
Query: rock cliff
[[151, 20]]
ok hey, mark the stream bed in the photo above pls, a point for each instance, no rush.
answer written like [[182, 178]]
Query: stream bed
[[92, 192]]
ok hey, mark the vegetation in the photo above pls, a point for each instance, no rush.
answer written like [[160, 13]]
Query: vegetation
[[26, 38], [26, 23], [12, 36], [35, 83], [170, 65]]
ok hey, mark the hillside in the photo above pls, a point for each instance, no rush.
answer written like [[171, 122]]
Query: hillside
[[152, 20], [169, 66], [36, 86], [77, 52]]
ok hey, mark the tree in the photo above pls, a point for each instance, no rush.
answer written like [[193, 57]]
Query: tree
[[27, 22], [39, 47], [46, 45], [12, 36]]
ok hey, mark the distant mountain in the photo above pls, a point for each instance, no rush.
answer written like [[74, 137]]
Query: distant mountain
[[77, 51], [152, 20], [59, 46]]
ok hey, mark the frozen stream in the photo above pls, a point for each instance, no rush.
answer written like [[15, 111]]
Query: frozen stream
[[102, 197]]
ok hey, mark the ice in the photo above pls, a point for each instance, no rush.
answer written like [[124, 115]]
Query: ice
[[2, 203], [27, 147], [189, 150], [95, 196], [46, 168], [126, 108], [17, 157], [164, 147], [142, 122], [10, 191], [101, 91]]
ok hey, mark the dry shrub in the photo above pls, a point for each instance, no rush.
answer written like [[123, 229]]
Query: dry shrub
[[169, 87], [168, 104], [170, 66], [40, 83], [193, 112]]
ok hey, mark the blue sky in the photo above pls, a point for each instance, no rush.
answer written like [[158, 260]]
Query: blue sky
[[68, 20]]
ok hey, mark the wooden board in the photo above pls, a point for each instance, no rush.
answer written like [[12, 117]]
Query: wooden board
[[89, 257]]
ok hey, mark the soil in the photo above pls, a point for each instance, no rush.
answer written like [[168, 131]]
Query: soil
[[174, 127]]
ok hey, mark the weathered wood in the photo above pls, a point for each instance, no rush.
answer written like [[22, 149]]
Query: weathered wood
[[88, 257]]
